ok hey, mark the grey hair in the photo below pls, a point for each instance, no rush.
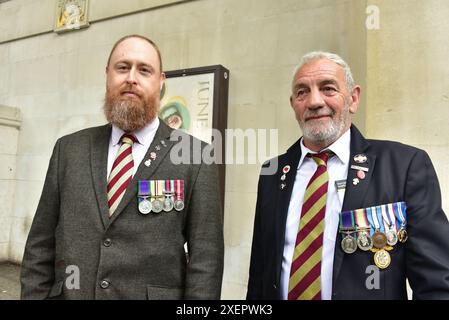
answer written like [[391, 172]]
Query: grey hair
[[317, 55]]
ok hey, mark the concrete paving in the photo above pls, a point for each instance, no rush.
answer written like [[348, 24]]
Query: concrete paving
[[9, 281]]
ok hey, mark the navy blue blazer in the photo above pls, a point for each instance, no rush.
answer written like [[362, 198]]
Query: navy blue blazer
[[397, 172]]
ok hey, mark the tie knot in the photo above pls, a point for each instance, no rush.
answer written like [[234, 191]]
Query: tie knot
[[321, 158], [128, 138]]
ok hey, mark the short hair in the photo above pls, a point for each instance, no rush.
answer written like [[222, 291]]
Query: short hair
[[139, 37], [317, 55]]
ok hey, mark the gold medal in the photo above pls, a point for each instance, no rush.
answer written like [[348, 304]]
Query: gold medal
[[402, 235], [382, 259]]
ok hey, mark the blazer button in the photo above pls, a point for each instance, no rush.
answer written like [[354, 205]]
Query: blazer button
[[104, 284], [107, 242]]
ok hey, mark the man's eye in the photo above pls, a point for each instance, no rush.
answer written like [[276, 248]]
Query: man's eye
[[145, 71], [300, 93], [122, 68], [329, 90]]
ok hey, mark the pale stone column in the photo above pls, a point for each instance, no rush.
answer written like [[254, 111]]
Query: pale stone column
[[9, 132]]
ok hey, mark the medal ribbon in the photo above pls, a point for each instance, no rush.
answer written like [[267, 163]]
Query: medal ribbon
[[152, 188], [143, 190], [385, 217], [376, 215], [401, 213], [361, 221], [346, 221], [160, 188], [369, 216], [167, 187], [180, 189], [391, 215]]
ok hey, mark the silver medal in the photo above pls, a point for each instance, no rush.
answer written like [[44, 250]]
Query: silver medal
[[167, 204], [349, 244], [364, 241], [179, 205], [392, 237], [145, 206], [157, 206]]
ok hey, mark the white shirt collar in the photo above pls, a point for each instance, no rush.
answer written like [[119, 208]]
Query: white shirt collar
[[341, 148], [143, 135]]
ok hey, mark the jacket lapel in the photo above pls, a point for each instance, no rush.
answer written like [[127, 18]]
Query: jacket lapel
[[99, 146], [354, 193], [144, 171], [284, 194]]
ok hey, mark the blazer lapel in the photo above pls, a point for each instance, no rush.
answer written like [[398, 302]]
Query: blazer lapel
[[284, 190], [354, 193], [144, 172], [99, 146]]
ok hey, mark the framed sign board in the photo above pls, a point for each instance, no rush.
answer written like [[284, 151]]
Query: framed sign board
[[196, 101]]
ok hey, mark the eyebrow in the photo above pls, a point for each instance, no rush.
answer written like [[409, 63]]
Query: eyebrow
[[329, 81], [140, 64], [320, 83]]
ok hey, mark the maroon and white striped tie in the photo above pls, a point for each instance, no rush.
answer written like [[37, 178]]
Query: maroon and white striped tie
[[121, 173]]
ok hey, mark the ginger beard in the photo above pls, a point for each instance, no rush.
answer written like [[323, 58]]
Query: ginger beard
[[130, 113]]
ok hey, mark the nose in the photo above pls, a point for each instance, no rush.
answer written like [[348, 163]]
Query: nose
[[315, 99], [131, 77]]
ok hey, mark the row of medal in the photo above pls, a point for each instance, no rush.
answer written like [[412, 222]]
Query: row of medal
[[160, 195], [376, 229]]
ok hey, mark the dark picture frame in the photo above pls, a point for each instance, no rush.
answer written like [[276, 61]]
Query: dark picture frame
[[195, 100]]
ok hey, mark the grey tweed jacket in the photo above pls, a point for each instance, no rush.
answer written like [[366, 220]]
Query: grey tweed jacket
[[128, 256]]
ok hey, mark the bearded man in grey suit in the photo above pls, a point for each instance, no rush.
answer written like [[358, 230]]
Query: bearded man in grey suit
[[117, 211]]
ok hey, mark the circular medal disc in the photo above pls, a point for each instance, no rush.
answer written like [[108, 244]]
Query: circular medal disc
[[179, 205], [157, 206], [379, 240], [382, 259], [364, 241], [145, 206], [402, 235], [392, 237], [167, 205], [349, 244]]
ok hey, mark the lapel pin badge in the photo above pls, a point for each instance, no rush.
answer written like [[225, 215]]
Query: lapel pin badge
[[158, 148], [361, 174], [355, 181], [153, 155], [163, 143], [148, 163], [360, 158], [285, 170]]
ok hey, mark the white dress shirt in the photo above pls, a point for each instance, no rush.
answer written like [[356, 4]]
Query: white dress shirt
[[144, 136], [337, 168]]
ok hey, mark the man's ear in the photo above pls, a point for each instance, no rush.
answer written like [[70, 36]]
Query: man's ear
[[162, 80], [355, 99]]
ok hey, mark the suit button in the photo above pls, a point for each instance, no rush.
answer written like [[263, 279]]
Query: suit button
[[104, 284], [107, 242]]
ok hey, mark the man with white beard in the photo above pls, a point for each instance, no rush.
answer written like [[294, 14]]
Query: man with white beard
[[345, 217]]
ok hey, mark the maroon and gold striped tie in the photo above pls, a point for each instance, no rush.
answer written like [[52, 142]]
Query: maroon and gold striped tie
[[121, 173], [305, 279]]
